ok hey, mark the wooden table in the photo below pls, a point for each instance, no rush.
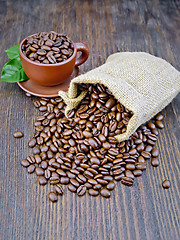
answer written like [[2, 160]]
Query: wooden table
[[144, 211]]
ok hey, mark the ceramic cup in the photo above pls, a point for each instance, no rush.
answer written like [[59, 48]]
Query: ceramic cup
[[53, 74]]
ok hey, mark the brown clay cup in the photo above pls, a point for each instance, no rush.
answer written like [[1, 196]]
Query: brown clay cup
[[53, 74]]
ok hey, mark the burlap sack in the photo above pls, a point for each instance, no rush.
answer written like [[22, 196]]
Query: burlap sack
[[143, 83]]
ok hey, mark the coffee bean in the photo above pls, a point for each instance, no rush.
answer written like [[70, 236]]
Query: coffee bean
[[25, 163], [32, 142], [151, 125], [64, 180], [39, 171], [93, 192], [42, 180], [146, 154], [137, 172], [59, 189], [140, 166], [159, 117], [93, 143], [81, 190], [74, 183], [155, 152], [31, 169], [110, 103], [154, 162], [166, 184], [18, 134], [72, 188], [47, 174], [105, 193], [110, 186], [36, 150], [31, 159], [159, 124], [53, 197]]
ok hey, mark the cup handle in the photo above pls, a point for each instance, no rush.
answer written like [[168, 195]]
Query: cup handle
[[85, 53]]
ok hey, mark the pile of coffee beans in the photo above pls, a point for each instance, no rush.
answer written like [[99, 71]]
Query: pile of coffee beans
[[81, 150], [48, 47]]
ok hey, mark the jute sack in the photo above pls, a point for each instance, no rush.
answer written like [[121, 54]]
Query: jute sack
[[143, 83]]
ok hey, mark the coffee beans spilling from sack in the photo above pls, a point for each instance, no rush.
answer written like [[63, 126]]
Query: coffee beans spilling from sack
[[81, 150], [48, 47]]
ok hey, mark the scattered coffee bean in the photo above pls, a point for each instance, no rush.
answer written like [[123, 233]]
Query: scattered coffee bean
[[32, 142], [105, 193], [81, 190], [93, 192], [81, 150], [59, 189], [154, 162], [159, 124], [53, 197], [42, 180], [31, 169], [166, 184], [18, 134], [25, 163]]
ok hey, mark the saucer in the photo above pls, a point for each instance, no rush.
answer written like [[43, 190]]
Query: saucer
[[35, 89]]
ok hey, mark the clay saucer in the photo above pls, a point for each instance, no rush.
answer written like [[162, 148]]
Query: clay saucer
[[35, 89]]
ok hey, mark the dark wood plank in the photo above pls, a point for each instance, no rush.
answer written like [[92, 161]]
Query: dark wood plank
[[144, 211]]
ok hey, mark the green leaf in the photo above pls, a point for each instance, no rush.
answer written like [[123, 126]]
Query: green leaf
[[13, 71], [13, 51]]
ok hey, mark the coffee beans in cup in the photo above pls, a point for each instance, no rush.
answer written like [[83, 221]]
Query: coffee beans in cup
[[80, 150], [48, 47]]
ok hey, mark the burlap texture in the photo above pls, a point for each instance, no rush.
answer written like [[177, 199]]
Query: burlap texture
[[143, 83]]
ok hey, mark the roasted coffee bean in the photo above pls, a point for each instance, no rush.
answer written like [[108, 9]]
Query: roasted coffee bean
[[93, 192], [74, 183], [137, 173], [39, 171], [105, 193], [159, 124], [53, 197], [127, 181], [42, 180], [110, 186], [59, 189], [25, 163], [166, 184], [159, 117], [155, 152], [31, 159], [146, 154], [93, 143], [36, 150], [18, 134], [47, 174], [44, 164], [130, 166], [151, 125], [154, 162], [31, 169], [140, 166], [72, 188], [110, 103], [81, 190], [64, 180], [32, 142]]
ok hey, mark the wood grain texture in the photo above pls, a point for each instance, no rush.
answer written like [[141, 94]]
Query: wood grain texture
[[144, 211]]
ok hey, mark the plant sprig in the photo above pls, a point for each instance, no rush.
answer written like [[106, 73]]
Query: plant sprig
[[12, 70]]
